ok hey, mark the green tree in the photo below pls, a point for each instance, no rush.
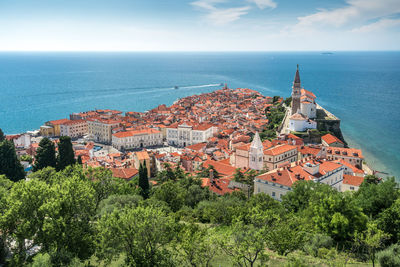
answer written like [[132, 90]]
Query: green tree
[[285, 235], [79, 160], [335, 214], [106, 185], [171, 193], [45, 155], [21, 217], [66, 154], [144, 181], [373, 239], [245, 244], [389, 221], [10, 166], [143, 234], [2, 136], [197, 246], [371, 179], [205, 172], [238, 176], [118, 202], [27, 158], [390, 257], [67, 231], [375, 198]]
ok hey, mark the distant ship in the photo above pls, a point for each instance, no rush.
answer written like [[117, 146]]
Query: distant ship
[[221, 84], [327, 53], [176, 87]]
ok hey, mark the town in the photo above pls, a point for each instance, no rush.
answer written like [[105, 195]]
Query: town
[[230, 138]]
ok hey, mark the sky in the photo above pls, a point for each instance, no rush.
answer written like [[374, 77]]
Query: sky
[[199, 25]]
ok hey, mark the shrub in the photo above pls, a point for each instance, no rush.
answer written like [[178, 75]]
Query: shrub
[[317, 242], [390, 257]]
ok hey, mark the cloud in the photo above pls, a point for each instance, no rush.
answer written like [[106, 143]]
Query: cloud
[[377, 26], [228, 15], [356, 11], [220, 16], [207, 4], [264, 3]]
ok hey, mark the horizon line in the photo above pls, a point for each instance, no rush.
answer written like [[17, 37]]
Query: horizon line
[[186, 51]]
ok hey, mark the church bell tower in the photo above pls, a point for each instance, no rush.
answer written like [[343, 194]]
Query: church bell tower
[[296, 92], [256, 154]]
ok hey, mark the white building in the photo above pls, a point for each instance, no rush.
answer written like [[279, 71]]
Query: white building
[[20, 140], [74, 128], [300, 123], [278, 182], [137, 139], [101, 129], [185, 135]]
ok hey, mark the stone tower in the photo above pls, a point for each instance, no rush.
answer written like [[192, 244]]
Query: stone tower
[[296, 92], [256, 154]]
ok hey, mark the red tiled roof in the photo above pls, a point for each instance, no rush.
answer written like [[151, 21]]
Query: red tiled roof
[[352, 180], [219, 186], [135, 132], [222, 168], [197, 147], [329, 139], [278, 150], [127, 173], [58, 122]]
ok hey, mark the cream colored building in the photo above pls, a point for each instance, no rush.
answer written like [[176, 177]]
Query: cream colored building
[[74, 128], [137, 139], [101, 129], [185, 135]]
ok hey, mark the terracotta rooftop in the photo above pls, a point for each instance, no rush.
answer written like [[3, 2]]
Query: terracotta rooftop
[[126, 174], [329, 139]]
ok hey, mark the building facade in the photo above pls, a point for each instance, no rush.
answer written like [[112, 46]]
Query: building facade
[[137, 139], [278, 182], [263, 156], [74, 128], [100, 129], [185, 135]]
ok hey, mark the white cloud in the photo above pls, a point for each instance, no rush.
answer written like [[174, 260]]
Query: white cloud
[[207, 4], [377, 26], [356, 11], [264, 3], [228, 15], [220, 16]]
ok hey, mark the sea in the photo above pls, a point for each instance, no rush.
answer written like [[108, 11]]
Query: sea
[[361, 88]]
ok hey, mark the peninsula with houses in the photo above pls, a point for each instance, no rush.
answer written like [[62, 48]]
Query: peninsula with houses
[[220, 136]]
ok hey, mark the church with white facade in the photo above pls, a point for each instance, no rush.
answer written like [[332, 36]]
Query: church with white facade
[[304, 108]]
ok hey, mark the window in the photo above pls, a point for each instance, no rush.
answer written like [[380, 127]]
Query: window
[[273, 194], [351, 187]]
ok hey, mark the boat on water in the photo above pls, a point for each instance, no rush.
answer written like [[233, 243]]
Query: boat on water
[[221, 84], [176, 87], [327, 53]]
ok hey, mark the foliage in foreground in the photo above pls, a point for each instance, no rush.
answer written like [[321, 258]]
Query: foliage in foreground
[[82, 217]]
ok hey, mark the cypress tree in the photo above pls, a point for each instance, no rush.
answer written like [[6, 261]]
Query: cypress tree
[[45, 155], [79, 160], [66, 154], [10, 165], [2, 136], [144, 181]]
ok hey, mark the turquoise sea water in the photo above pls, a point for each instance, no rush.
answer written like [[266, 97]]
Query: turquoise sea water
[[361, 88]]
